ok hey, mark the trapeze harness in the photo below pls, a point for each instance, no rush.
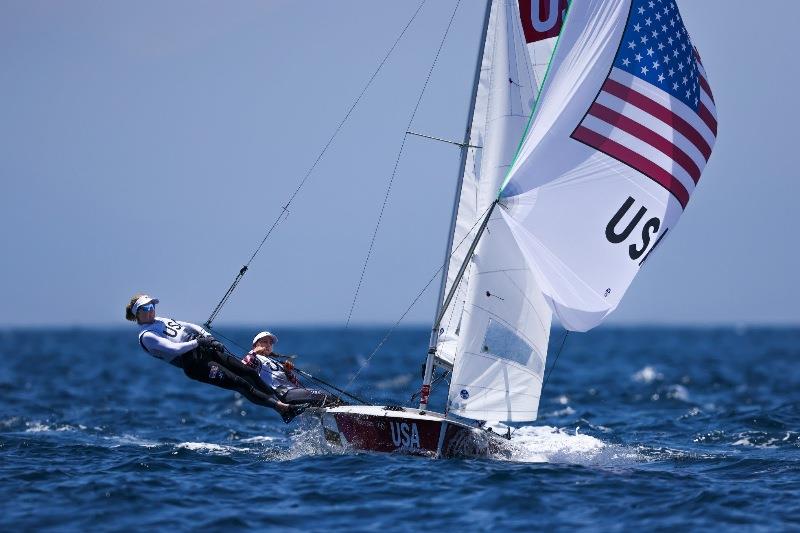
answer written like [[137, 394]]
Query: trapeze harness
[[175, 342]]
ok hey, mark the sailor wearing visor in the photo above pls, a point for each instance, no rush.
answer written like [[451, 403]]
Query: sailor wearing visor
[[202, 358]]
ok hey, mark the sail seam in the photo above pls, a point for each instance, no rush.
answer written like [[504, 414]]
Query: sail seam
[[506, 362], [525, 296]]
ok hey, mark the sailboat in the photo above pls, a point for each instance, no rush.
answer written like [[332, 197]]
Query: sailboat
[[573, 170]]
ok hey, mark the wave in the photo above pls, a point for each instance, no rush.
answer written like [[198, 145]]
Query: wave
[[40, 427], [216, 449], [131, 440]]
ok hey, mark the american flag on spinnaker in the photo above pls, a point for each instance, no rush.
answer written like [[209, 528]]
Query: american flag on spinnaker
[[655, 112]]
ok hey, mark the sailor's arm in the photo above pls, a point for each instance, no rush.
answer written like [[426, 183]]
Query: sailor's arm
[[194, 328], [159, 345]]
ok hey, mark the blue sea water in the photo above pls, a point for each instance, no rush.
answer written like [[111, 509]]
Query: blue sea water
[[639, 428]]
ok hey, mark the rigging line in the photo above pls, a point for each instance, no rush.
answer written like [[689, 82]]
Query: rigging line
[[394, 326], [284, 209], [416, 299], [218, 334], [320, 381], [334, 387], [555, 361], [397, 164]]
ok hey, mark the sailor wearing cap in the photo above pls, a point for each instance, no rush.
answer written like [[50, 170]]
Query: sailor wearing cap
[[279, 376], [202, 358], [163, 338]]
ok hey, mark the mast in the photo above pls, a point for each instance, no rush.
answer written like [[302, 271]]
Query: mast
[[429, 362]]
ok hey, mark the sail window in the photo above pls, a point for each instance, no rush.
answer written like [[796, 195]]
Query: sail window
[[506, 344]]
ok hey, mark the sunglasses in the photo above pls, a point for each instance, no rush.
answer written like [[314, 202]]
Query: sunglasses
[[146, 308]]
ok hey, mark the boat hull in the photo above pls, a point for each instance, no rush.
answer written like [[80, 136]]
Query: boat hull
[[407, 431]]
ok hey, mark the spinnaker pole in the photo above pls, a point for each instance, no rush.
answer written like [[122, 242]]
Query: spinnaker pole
[[440, 309]]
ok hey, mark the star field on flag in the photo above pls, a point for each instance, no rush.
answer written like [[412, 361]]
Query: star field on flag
[[655, 111]]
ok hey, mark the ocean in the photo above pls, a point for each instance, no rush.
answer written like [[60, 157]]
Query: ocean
[[652, 428]]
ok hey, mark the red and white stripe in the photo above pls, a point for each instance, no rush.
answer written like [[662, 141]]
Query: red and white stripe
[[646, 128]]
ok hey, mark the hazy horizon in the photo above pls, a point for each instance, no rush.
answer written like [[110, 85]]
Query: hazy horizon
[[276, 327]]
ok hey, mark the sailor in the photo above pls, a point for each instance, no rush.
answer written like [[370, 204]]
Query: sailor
[[280, 376], [202, 358]]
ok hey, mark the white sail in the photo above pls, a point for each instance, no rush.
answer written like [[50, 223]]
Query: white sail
[[502, 348], [497, 328], [623, 129], [504, 99]]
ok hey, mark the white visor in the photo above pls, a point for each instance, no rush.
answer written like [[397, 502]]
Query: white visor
[[262, 335], [143, 300]]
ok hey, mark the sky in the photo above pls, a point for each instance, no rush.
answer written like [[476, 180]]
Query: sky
[[147, 146]]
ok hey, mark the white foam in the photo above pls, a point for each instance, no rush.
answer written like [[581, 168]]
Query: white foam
[[762, 440], [567, 411], [306, 439], [131, 440], [217, 449], [678, 392], [258, 439], [8, 422], [647, 374], [545, 444], [38, 427]]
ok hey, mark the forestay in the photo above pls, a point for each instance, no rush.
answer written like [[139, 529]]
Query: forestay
[[498, 323], [624, 127]]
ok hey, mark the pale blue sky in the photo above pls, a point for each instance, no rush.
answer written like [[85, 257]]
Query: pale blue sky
[[147, 146]]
